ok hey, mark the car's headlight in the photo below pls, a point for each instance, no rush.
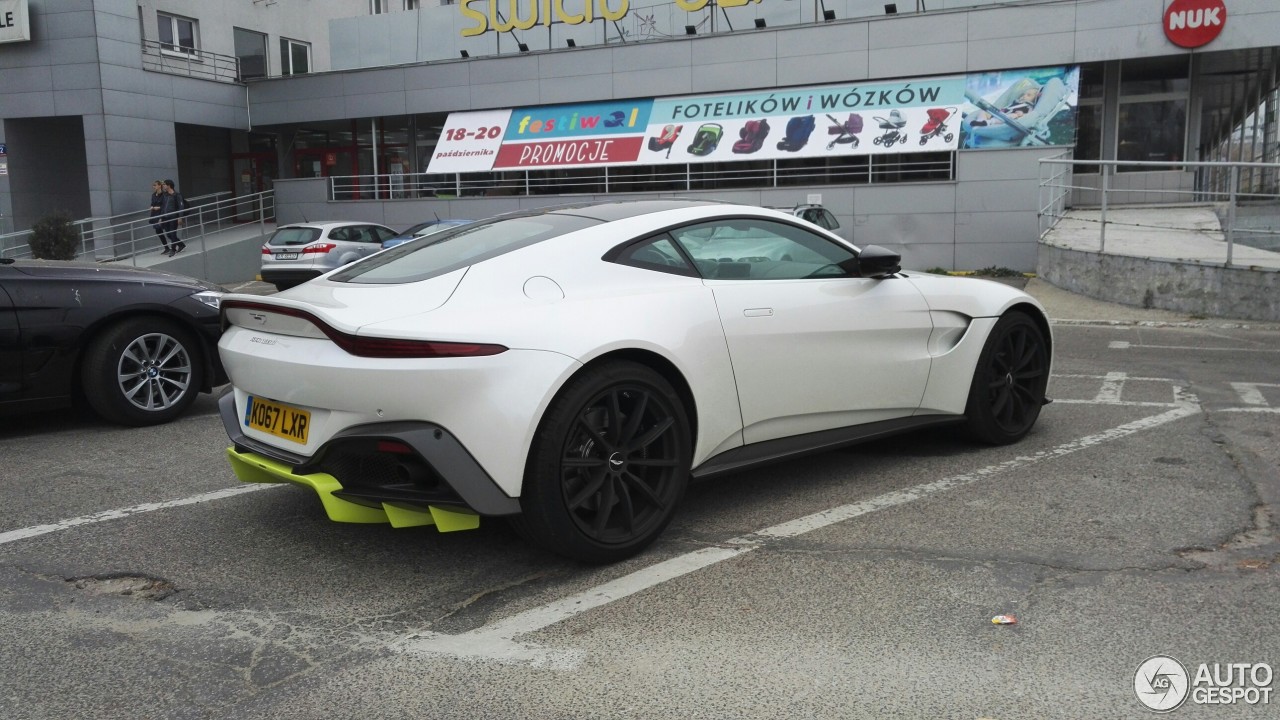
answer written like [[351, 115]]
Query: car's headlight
[[212, 298]]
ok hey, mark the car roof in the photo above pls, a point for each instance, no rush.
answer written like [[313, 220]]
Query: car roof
[[613, 210], [325, 224]]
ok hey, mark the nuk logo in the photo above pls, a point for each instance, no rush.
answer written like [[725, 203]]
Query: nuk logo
[[1194, 23]]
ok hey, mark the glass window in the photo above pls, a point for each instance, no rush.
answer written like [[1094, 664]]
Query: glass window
[[377, 7], [251, 51], [753, 249], [177, 34], [1152, 131], [294, 236], [1154, 76], [295, 57], [410, 4], [1088, 132], [657, 253], [1091, 81], [455, 249]]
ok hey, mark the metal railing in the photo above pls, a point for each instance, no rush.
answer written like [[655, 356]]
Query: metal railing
[[1106, 184], [850, 170], [126, 238], [177, 60]]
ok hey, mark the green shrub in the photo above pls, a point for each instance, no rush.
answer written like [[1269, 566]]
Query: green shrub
[[937, 271], [994, 271], [53, 237]]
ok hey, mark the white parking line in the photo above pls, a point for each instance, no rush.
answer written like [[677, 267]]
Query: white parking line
[[105, 515], [497, 641], [1121, 345], [1249, 392], [1112, 385]]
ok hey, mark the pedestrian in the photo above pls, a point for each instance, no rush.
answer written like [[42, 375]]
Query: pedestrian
[[157, 202], [172, 207]]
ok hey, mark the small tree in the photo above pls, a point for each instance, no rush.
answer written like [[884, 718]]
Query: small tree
[[53, 237]]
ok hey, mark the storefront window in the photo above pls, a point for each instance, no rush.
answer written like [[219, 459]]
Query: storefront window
[[1152, 131], [1088, 132]]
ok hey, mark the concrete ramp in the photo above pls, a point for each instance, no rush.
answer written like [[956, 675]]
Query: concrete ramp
[[1174, 258], [230, 255]]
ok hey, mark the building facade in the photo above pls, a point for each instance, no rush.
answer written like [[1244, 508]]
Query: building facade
[[387, 85]]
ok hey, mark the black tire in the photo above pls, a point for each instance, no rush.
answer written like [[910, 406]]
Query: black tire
[[142, 371], [1009, 382], [608, 466]]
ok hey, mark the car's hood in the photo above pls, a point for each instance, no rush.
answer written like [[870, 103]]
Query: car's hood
[[108, 272], [350, 306]]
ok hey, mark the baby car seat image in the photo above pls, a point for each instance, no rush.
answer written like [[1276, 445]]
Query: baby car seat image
[[666, 139], [798, 130], [706, 139], [753, 135], [846, 133], [892, 129]]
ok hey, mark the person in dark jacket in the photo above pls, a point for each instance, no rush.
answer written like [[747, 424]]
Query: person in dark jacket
[[172, 207], [157, 201]]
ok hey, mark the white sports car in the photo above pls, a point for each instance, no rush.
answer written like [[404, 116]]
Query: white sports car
[[573, 367]]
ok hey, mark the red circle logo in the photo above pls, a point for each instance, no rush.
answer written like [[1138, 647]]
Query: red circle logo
[[1194, 23]]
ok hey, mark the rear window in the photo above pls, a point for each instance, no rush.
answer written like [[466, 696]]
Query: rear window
[[294, 236], [459, 247]]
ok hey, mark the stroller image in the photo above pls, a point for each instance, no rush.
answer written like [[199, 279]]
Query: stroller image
[[936, 125], [892, 129], [846, 133], [666, 139], [1034, 127], [706, 140], [752, 136], [799, 128]]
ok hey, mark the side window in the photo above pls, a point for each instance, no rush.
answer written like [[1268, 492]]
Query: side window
[[756, 249], [380, 234], [341, 234], [656, 253]]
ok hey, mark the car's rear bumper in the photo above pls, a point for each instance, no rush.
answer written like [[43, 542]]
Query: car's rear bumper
[[406, 473], [298, 276]]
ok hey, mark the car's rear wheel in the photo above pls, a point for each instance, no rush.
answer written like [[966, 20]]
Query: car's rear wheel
[[608, 466], [142, 371], [1010, 380]]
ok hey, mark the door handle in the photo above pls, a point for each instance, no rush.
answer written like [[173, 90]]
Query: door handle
[[758, 312]]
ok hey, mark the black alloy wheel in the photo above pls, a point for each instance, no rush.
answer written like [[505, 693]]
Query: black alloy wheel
[[609, 465], [1009, 384]]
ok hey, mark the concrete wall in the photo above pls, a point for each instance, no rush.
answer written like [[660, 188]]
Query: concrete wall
[[986, 217], [1184, 286]]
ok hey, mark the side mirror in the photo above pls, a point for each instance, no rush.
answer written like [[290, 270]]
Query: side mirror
[[877, 262]]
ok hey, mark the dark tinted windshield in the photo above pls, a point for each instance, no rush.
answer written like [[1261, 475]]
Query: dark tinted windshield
[[294, 236], [459, 247]]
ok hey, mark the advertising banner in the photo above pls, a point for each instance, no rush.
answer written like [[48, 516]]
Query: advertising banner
[[1013, 108], [15, 21], [1005, 109]]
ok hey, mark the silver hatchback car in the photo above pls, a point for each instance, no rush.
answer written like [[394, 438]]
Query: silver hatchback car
[[299, 252]]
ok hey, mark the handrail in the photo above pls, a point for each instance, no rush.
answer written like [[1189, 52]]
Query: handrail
[[132, 238], [1222, 184], [192, 62], [857, 169]]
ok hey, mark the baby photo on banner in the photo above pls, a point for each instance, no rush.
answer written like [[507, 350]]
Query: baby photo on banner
[[1021, 108]]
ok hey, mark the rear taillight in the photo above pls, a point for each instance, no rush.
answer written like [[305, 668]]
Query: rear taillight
[[318, 248], [266, 250], [371, 346]]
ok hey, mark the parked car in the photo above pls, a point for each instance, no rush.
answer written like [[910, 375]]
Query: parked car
[[299, 252], [138, 345], [429, 227], [573, 367], [816, 214]]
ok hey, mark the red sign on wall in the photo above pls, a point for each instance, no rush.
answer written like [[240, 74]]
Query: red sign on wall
[[1194, 23]]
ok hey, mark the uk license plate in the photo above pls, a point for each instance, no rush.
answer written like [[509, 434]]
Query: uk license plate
[[281, 420], [286, 256]]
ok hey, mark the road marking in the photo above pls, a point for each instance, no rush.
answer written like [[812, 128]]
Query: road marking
[[1127, 346], [105, 515], [1112, 385], [497, 641], [1252, 410], [1249, 392], [1119, 344]]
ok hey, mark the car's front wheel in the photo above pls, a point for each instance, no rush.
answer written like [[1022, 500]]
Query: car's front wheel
[[608, 465], [1009, 382], [142, 371]]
